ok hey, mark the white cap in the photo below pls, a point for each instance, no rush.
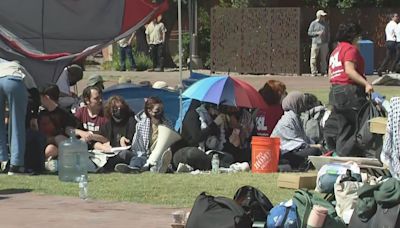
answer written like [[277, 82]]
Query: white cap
[[160, 85], [321, 13]]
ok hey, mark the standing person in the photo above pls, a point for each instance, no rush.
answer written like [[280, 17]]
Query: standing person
[[155, 36], [390, 44], [15, 82], [320, 35], [125, 50], [349, 86]]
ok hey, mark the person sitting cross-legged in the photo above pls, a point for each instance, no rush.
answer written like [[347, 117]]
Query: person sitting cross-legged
[[145, 140], [119, 131]]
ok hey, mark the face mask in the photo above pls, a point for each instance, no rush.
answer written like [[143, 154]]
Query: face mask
[[117, 115]]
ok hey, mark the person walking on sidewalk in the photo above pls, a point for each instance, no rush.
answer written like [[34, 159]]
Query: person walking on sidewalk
[[320, 35], [125, 50], [155, 36], [390, 44]]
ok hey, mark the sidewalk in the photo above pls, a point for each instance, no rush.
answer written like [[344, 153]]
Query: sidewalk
[[31, 210]]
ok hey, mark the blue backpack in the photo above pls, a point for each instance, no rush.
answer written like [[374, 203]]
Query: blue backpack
[[283, 215]]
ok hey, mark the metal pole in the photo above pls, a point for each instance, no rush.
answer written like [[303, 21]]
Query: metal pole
[[180, 60], [190, 14]]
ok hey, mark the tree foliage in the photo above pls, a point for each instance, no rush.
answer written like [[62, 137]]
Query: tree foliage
[[345, 4]]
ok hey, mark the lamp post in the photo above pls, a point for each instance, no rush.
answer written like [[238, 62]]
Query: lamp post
[[194, 59]]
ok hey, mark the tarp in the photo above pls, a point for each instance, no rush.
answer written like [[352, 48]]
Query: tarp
[[47, 35], [134, 95]]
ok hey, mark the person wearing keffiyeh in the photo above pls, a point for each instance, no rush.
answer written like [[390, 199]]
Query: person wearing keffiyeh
[[295, 145], [145, 138]]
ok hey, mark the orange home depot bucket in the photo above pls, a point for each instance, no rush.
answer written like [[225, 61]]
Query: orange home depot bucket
[[264, 154]]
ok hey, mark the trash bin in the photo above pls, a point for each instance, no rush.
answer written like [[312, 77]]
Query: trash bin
[[367, 51]]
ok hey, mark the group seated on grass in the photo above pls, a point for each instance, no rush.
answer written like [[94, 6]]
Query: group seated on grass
[[300, 120]]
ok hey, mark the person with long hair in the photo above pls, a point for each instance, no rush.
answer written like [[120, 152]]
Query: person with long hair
[[349, 86], [119, 130], [273, 93], [145, 139]]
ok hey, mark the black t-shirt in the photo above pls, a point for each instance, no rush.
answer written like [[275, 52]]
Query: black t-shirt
[[114, 131], [55, 122]]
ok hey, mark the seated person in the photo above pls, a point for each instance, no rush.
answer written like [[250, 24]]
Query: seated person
[[201, 131], [119, 130], [273, 92], [295, 145], [145, 140], [91, 116], [54, 122]]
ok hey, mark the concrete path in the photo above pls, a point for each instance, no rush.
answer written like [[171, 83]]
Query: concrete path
[[31, 210]]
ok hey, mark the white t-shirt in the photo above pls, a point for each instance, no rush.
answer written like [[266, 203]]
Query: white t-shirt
[[155, 32], [12, 68], [390, 31], [397, 30], [63, 82]]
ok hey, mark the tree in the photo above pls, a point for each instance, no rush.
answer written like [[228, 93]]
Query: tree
[[345, 4]]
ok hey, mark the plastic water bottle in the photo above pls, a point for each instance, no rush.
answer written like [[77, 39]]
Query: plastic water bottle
[[72, 159], [83, 187], [215, 163]]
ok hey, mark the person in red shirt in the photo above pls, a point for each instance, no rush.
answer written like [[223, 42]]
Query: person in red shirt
[[273, 93], [349, 86], [91, 116]]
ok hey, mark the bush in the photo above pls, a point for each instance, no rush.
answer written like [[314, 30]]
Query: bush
[[143, 61]]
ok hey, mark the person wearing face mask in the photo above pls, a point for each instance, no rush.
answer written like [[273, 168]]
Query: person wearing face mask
[[349, 86], [145, 138], [119, 130]]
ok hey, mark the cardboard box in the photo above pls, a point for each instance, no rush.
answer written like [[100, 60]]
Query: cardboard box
[[297, 180], [378, 125]]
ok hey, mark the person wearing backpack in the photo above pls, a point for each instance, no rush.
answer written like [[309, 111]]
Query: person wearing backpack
[[295, 145], [349, 86]]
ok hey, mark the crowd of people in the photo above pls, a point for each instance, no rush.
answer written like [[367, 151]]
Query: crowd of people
[[206, 128]]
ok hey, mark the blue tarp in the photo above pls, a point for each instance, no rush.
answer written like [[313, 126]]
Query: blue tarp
[[135, 95]]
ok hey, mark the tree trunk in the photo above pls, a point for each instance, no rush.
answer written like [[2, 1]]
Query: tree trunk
[[169, 20], [141, 43]]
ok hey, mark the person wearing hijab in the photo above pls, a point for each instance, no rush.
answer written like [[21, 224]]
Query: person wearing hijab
[[295, 145]]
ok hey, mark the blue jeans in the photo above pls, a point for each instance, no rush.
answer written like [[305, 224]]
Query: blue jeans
[[123, 53], [13, 89]]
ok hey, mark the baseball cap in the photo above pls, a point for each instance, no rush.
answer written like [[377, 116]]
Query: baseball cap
[[94, 79], [321, 13]]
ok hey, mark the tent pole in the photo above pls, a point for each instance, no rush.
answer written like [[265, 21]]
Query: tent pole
[[180, 60]]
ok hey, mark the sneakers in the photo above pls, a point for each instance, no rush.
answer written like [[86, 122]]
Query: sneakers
[[124, 168], [17, 170], [51, 165], [165, 161], [3, 166], [184, 168]]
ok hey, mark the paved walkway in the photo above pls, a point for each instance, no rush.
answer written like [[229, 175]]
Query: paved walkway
[[31, 210]]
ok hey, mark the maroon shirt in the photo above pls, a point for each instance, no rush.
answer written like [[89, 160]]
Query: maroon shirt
[[89, 123]]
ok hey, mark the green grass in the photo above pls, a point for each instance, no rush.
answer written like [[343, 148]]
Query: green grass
[[178, 190]]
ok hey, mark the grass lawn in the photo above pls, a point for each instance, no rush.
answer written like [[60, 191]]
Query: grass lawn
[[177, 190]]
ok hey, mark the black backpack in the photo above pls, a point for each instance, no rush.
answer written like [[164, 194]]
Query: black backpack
[[217, 212], [254, 202]]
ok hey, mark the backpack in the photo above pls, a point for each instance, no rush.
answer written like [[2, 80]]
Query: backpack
[[254, 202], [283, 215], [305, 200], [311, 120], [368, 142], [217, 212]]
